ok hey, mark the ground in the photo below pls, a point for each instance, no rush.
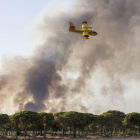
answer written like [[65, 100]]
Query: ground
[[93, 138]]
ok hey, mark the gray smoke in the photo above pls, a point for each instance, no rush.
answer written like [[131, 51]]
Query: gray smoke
[[68, 72], [3, 81]]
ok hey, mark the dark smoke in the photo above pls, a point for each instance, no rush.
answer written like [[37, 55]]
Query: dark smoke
[[3, 81], [101, 66], [31, 106]]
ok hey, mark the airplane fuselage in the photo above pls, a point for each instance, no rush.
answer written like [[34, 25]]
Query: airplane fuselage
[[90, 32], [85, 30]]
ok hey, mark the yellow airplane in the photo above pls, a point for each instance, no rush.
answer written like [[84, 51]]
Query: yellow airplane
[[85, 30]]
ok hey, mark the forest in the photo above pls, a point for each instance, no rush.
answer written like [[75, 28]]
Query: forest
[[70, 124]]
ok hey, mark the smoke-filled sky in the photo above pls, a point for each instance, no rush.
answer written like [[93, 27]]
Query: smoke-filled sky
[[65, 72]]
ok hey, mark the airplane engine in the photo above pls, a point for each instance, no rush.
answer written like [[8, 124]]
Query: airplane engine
[[84, 25], [86, 35]]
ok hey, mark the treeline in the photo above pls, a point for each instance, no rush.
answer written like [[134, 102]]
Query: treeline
[[71, 123]]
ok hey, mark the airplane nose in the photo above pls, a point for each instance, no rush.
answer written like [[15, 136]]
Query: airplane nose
[[95, 32]]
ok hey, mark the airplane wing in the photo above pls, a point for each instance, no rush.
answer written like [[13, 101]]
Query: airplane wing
[[85, 26], [76, 31]]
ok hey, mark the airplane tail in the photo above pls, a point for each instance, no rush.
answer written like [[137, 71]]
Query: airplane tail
[[72, 27]]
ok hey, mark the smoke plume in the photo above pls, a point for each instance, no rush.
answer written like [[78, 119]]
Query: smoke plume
[[67, 72]]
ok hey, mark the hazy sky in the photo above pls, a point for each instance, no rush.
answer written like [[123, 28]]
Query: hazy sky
[[16, 18]]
